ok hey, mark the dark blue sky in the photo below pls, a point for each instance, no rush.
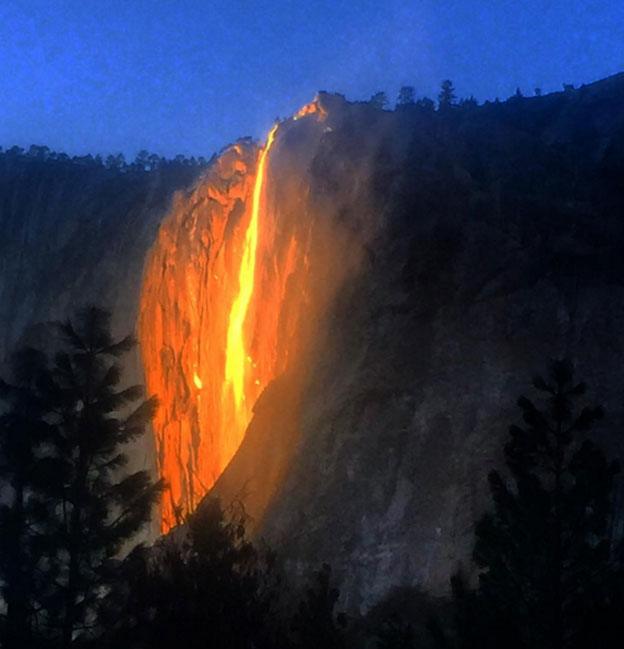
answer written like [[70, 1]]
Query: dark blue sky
[[189, 76]]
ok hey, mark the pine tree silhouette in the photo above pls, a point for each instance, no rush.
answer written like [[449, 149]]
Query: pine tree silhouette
[[447, 97], [379, 100], [544, 552], [99, 507], [406, 97], [24, 431]]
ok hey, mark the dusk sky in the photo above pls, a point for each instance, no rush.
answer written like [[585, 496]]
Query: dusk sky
[[190, 76]]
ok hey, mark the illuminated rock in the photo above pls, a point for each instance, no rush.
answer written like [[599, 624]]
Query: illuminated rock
[[380, 407], [226, 308]]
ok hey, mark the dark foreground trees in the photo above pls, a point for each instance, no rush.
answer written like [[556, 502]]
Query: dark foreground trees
[[70, 511], [24, 510], [549, 576], [207, 585], [446, 97], [316, 623], [203, 586], [72, 505]]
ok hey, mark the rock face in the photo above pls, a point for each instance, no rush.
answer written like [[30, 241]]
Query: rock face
[[76, 233], [441, 258], [495, 247], [242, 269]]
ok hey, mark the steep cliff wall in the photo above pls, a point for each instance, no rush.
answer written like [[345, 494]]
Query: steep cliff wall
[[240, 276], [74, 233], [496, 246], [439, 260]]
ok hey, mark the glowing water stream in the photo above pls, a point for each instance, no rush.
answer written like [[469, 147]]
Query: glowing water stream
[[226, 308], [236, 349]]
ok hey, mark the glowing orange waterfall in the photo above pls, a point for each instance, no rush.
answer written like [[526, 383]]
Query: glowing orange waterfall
[[211, 314], [228, 302], [236, 354]]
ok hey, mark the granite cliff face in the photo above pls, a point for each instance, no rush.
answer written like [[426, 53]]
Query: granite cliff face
[[76, 233], [439, 260], [243, 269], [495, 246]]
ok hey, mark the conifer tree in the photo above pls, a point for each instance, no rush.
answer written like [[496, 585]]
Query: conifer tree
[[407, 96], [544, 552], [425, 104], [379, 100], [447, 97], [469, 102], [23, 433], [99, 507]]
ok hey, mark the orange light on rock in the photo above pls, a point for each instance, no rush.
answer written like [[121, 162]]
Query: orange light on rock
[[204, 311], [227, 305]]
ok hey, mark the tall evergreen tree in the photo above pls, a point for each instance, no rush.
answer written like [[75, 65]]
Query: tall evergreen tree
[[24, 431], [407, 96], [469, 102], [379, 100], [99, 506], [425, 104], [447, 97], [544, 552]]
